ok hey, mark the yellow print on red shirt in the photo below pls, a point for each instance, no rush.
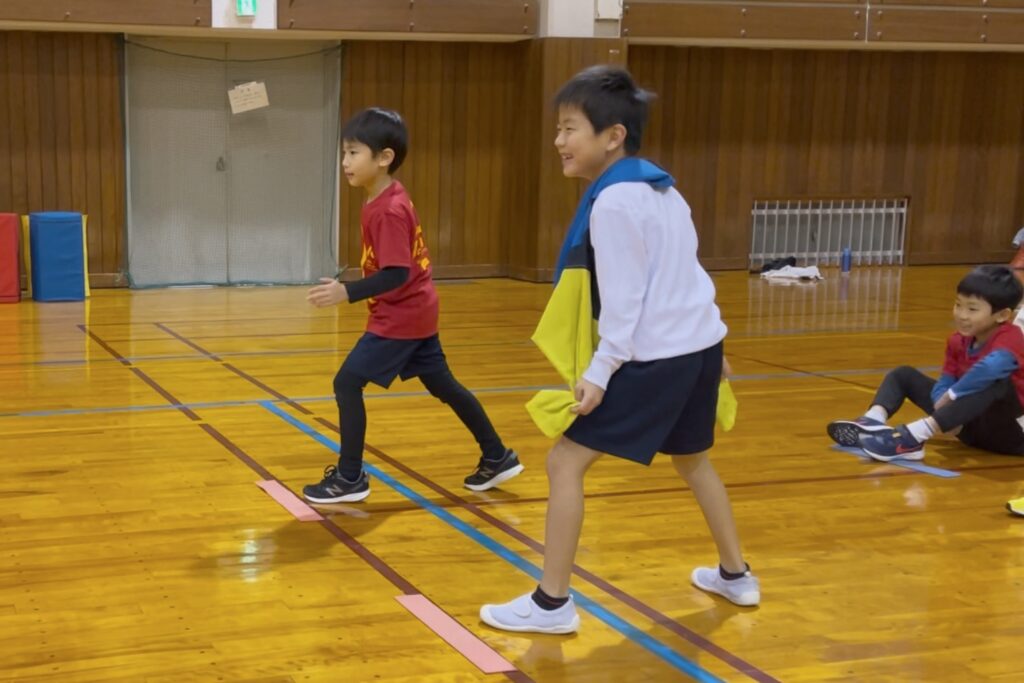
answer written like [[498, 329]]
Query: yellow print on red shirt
[[419, 250], [368, 261]]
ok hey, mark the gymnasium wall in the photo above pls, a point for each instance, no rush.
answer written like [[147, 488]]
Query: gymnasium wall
[[461, 106], [944, 129], [733, 125], [62, 136]]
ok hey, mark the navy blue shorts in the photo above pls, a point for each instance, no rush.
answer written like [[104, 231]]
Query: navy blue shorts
[[380, 360], [661, 406]]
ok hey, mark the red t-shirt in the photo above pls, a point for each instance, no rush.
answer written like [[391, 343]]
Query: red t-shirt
[[1007, 337], [392, 236]]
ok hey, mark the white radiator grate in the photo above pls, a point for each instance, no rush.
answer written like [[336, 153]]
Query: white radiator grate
[[815, 231]]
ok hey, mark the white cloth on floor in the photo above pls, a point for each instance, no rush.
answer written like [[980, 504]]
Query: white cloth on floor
[[793, 273]]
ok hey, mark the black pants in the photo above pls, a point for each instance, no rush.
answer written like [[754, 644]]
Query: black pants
[[380, 361], [989, 417]]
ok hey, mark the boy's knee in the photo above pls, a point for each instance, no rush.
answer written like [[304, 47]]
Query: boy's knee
[[569, 460], [686, 465], [558, 467], [442, 386], [347, 383]]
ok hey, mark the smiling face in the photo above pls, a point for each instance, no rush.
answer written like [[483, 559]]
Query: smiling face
[[584, 152], [974, 317]]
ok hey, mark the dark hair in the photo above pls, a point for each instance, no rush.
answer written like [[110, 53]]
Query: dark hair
[[995, 284], [608, 95], [379, 129]]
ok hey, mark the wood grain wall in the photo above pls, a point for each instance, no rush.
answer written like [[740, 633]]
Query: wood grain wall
[[545, 199], [61, 135], [944, 129], [733, 125], [461, 104]]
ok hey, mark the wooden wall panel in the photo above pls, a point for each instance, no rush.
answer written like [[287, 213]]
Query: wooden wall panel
[[476, 16], [544, 199], [150, 12], [61, 136], [945, 129], [351, 15], [978, 4], [501, 17], [947, 25], [460, 102], [753, 21], [927, 25]]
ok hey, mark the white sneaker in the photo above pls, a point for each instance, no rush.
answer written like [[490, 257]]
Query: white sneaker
[[744, 591], [524, 615]]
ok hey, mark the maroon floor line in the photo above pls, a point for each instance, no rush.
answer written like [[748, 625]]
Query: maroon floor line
[[228, 366], [187, 342], [107, 347], [364, 553], [138, 372]]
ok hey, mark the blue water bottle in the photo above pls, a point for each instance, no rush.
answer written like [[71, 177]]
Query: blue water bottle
[[846, 261]]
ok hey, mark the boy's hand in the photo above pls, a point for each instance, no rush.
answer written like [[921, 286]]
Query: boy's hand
[[589, 395], [944, 400], [329, 293], [726, 368]]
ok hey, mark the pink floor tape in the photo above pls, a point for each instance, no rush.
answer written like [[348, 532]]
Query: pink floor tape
[[288, 501], [456, 635]]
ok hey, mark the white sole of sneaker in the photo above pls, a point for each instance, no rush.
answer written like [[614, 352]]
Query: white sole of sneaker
[[350, 498], [500, 479], [571, 627], [748, 599], [889, 458]]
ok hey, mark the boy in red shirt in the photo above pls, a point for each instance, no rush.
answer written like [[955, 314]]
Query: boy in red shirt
[[401, 338], [980, 393]]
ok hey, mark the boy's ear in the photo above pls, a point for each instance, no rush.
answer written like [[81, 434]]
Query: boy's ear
[[616, 137], [386, 156], [1003, 315]]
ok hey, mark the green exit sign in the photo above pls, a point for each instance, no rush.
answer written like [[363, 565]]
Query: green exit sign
[[246, 8]]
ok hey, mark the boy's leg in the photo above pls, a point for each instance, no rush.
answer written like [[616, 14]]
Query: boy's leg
[[969, 408], [732, 578], [899, 385], [444, 387], [550, 609], [348, 394], [346, 482], [567, 465], [708, 489], [905, 383], [497, 464], [989, 418]]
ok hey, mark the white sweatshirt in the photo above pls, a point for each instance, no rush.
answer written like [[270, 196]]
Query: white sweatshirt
[[656, 299]]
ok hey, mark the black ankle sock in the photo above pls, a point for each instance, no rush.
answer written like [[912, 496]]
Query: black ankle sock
[[546, 602], [729, 576]]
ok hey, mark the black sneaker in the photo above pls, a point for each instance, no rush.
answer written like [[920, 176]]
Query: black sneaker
[[334, 489], [489, 474], [848, 432]]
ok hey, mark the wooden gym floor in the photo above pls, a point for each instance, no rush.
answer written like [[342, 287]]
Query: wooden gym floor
[[135, 545]]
